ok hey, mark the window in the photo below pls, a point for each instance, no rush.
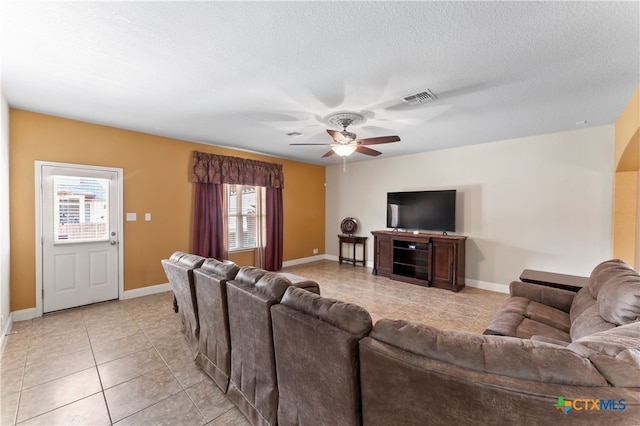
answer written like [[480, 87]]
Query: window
[[81, 209], [242, 216]]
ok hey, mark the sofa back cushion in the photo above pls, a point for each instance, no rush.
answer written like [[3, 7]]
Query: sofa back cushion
[[273, 285], [619, 303], [214, 350], [348, 317], [252, 380], [224, 270], [249, 275], [585, 316], [191, 261], [317, 363], [609, 272], [504, 356], [615, 353], [179, 270], [611, 298]]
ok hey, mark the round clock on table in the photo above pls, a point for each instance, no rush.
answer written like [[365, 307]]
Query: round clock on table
[[348, 226]]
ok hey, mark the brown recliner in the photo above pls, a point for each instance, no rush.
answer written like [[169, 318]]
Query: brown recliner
[[317, 362], [214, 351], [253, 384], [179, 270]]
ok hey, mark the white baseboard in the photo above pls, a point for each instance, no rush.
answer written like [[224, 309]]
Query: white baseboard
[[331, 257], [146, 291], [304, 260], [25, 314], [485, 285], [5, 332]]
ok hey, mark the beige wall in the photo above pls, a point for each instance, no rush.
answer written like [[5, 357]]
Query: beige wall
[[541, 202], [156, 180]]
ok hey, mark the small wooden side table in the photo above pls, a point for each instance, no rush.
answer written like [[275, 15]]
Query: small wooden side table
[[353, 240]]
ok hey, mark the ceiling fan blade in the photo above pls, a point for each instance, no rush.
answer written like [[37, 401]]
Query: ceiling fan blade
[[328, 154], [337, 136], [367, 151], [378, 140], [310, 144]]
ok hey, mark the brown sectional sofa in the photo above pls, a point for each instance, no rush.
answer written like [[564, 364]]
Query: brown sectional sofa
[[179, 270], [550, 356], [316, 351], [253, 385], [214, 346]]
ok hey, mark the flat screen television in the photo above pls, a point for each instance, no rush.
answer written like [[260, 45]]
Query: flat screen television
[[422, 210]]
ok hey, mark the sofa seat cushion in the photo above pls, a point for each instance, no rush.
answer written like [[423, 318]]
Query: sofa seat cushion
[[527, 359], [523, 318], [538, 312]]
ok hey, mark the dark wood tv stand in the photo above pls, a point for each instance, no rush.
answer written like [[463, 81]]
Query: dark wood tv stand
[[425, 259]]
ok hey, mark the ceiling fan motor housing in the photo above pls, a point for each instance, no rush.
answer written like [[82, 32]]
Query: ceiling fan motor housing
[[345, 119], [349, 137]]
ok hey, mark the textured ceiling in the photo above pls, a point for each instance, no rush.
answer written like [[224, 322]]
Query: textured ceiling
[[244, 74]]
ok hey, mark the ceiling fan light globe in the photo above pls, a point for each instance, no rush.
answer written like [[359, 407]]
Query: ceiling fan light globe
[[343, 150]]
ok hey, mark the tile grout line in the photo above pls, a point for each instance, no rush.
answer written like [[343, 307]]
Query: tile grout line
[[24, 372], [24, 368], [172, 374], [95, 361], [176, 378]]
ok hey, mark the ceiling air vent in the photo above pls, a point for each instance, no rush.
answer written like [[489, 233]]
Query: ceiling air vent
[[420, 98]]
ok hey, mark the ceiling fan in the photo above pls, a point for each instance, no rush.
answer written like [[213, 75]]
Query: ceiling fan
[[346, 143]]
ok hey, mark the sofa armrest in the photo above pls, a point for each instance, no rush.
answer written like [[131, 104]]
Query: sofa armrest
[[554, 297]]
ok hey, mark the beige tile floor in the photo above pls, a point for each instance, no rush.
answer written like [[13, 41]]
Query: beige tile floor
[[127, 363]]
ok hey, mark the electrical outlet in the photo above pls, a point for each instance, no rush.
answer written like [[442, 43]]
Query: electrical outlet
[[315, 251]]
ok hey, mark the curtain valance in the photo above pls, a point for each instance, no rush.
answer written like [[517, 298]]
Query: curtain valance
[[218, 169]]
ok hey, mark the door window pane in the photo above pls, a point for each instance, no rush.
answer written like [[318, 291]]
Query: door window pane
[[81, 209]]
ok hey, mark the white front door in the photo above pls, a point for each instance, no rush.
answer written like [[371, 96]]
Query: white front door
[[80, 236]]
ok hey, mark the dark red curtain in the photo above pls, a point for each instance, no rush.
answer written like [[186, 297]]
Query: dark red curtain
[[208, 223], [274, 245], [210, 173]]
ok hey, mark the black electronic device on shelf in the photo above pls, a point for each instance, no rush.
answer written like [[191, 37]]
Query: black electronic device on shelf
[[422, 210]]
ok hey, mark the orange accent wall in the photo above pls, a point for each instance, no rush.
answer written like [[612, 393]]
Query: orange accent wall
[[156, 180], [627, 164], [243, 258], [625, 213], [627, 137]]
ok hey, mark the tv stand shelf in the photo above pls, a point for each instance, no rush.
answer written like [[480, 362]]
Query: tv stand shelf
[[424, 259]]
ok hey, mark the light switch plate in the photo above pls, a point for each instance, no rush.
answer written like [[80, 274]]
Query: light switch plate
[[131, 217], [147, 217]]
